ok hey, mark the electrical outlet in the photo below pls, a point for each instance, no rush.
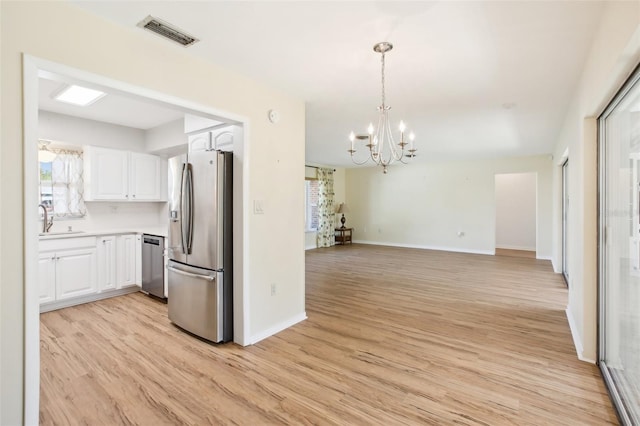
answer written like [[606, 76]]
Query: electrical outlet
[[273, 289]]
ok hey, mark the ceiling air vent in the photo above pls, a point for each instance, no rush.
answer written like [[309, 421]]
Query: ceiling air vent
[[166, 30]]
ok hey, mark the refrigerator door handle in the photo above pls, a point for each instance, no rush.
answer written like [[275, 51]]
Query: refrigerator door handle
[[189, 274], [184, 219], [186, 207], [190, 204]]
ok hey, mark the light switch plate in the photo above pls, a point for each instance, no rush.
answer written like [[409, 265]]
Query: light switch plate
[[257, 207]]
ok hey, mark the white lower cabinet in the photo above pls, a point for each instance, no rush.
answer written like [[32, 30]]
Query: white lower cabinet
[[75, 273], [87, 268], [126, 260], [106, 263], [47, 277], [139, 260], [67, 269]]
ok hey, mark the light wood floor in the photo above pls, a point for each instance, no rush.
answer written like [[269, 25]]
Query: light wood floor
[[516, 253], [394, 336]]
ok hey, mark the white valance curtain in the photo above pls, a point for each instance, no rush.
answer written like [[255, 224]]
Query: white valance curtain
[[326, 212]]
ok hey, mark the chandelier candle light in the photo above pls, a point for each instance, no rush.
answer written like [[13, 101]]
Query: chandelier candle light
[[381, 144]]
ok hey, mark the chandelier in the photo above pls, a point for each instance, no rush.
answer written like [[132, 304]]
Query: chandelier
[[382, 146]]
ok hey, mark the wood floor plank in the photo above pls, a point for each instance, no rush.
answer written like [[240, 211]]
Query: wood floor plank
[[393, 336]]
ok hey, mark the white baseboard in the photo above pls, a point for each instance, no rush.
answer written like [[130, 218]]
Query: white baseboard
[[522, 248], [311, 247], [425, 247], [88, 298], [277, 328], [577, 340]]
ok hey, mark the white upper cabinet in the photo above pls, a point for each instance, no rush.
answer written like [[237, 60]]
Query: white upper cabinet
[[106, 174], [114, 175], [145, 177]]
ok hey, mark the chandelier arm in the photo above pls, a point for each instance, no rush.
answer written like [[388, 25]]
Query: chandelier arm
[[359, 163], [392, 144]]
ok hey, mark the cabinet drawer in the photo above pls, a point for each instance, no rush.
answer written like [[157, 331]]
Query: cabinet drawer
[[66, 243]]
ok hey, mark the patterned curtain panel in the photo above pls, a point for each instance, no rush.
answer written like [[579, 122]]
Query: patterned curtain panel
[[61, 183], [326, 212]]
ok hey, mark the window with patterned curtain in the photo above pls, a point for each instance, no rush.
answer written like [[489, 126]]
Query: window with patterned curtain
[[61, 185], [326, 212]]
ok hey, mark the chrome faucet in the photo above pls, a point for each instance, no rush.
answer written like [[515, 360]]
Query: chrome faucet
[[47, 222]]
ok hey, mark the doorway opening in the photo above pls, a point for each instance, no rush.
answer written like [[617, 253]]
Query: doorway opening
[[37, 72], [516, 214]]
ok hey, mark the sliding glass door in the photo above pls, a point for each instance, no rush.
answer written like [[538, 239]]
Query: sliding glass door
[[619, 247]]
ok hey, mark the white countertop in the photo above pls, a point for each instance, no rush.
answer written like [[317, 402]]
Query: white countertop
[[159, 231]]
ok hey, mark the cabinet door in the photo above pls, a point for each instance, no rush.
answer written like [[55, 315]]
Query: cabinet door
[[126, 260], [75, 273], [145, 177], [106, 251], [139, 260], [47, 277], [108, 174]]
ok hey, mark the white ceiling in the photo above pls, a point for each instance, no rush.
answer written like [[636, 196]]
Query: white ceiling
[[114, 108], [453, 68]]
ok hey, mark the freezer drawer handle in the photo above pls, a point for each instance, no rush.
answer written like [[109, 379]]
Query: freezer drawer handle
[[189, 274]]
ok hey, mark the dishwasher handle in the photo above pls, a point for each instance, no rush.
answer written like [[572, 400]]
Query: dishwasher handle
[[150, 240], [189, 274]]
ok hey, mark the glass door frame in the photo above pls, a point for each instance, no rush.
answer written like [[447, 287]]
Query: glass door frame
[[621, 408], [565, 221]]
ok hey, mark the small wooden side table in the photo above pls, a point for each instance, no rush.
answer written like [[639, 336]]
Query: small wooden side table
[[343, 235]]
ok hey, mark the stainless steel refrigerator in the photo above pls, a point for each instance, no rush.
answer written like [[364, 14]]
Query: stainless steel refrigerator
[[200, 279]]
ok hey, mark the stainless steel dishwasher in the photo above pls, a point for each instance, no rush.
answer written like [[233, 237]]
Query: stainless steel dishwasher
[[153, 265]]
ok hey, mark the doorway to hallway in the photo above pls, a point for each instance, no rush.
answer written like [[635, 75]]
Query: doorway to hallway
[[516, 221]]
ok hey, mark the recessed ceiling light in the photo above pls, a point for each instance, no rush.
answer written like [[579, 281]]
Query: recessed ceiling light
[[78, 95]]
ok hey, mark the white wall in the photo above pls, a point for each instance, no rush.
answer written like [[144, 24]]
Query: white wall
[[80, 131], [516, 211], [168, 139], [614, 54], [272, 159], [427, 205]]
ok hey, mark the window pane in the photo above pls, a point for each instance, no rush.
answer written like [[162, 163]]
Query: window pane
[[311, 197], [46, 190], [61, 182]]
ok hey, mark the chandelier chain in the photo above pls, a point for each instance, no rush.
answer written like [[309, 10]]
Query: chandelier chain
[[382, 61]]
